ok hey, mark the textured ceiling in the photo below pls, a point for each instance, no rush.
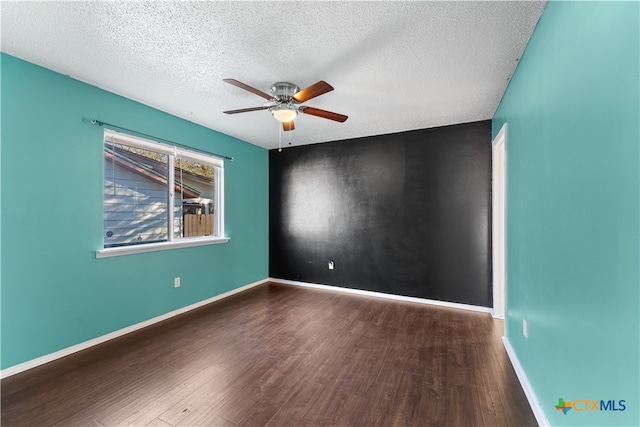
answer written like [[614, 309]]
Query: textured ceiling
[[395, 66]]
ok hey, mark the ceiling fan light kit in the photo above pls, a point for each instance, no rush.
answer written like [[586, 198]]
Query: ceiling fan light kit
[[284, 113], [285, 101]]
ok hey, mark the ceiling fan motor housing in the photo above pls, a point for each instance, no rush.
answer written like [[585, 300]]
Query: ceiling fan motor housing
[[284, 91]]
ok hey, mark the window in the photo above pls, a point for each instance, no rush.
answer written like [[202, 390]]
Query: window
[[158, 196]]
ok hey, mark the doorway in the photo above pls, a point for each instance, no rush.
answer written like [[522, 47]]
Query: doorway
[[499, 177]]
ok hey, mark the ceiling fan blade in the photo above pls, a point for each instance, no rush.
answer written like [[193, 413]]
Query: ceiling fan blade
[[245, 110], [324, 114], [288, 125], [249, 88], [312, 91]]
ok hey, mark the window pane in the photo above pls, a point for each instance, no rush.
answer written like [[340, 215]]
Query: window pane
[[194, 194], [135, 195]]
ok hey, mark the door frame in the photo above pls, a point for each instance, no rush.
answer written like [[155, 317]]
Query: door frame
[[498, 221]]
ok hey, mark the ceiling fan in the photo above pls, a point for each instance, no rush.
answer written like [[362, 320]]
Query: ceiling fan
[[285, 99]]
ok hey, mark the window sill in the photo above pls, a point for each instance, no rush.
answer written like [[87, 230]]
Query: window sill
[[152, 247]]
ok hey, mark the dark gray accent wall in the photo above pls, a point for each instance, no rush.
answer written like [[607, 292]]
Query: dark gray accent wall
[[406, 213]]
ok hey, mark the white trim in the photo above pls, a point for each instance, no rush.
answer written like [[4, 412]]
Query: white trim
[[160, 147], [99, 340], [171, 197], [526, 385], [498, 221], [160, 246], [383, 295], [218, 200], [502, 133]]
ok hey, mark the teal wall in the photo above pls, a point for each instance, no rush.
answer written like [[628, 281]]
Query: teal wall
[[572, 114], [55, 293]]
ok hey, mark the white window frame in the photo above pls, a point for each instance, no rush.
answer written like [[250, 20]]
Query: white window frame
[[172, 152]]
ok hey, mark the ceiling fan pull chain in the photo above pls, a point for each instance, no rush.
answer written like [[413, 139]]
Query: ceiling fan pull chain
[[279, 138]]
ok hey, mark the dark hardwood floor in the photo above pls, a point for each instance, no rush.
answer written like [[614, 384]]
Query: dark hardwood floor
[[280, 355]]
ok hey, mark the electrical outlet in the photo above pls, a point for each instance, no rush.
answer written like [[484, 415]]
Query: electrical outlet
[[331, 265], [525, 328], [176, 282]]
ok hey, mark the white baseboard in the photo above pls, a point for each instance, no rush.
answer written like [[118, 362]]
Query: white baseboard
[[526, 385], [99, 340], [383, 295], [495, 316]]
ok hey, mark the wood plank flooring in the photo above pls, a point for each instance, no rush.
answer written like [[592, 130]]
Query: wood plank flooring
[[280, 355]]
